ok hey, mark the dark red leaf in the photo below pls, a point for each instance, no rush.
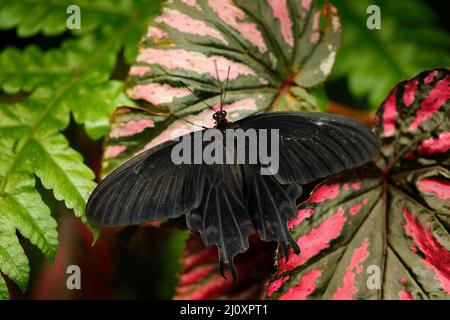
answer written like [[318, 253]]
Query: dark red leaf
[[201, 279], [382, 231]]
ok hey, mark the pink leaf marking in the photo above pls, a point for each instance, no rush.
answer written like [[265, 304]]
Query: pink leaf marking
[[156, 33], [131, 128], [280, 11], [157, 93], [356, 185], [275, 285], [315, 35], [404, 295], [201, 257], [432, 103], [315, 241], [348, 289], [196, 62], [139, 70], [114, 151], [327, 64], [436, 256], [187, 24], [302, 214], [336, 23], [196, 274], [430, 77], [390, 114], [441, 144], [357, 207], [233, 16], [122, 110], [192, 3], [410, 90], [306, 286], [436, 186], [306, 4], [324, 192], [330, 11]]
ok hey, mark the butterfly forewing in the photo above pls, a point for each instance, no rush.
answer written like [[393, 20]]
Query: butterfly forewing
[[145, 188], [315, 145]]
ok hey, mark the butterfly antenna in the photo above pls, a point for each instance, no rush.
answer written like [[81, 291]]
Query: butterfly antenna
[[196, 125], [197, 96], [177, 117], [226, 88], [220, 84]]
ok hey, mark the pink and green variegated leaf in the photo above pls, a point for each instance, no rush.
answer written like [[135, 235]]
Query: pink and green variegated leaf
[[200, 278], [382, 231], [277, 50]]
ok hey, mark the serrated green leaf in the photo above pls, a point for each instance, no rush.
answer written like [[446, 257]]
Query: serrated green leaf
[[50, 18], [24, 69], [13, 261], [73, 79], [31, 145], [99, 100], [4, 294]]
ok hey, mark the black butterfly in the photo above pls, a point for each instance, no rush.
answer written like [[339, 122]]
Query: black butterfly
[[226, 203]]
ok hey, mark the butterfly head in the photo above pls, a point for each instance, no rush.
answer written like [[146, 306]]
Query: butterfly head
[[220, 117]]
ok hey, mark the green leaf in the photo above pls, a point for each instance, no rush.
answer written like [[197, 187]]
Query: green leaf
[[99, 100], [50, 17], [276, 52], [382, 231], [373, 61], [71, 80], [4, 294], [23, 70], [13, 261]]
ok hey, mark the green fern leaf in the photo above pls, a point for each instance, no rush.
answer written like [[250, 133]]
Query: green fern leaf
[[49, 17], [71, 80]]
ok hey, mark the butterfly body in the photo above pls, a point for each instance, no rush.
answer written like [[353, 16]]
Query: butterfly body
[[228, 202]]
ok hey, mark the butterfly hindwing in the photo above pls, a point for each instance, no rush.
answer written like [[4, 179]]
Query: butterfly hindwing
[[222, 218], [271, 205]]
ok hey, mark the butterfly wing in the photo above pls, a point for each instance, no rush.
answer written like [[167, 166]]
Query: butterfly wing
[[315, 145], [147, 187], [271, 205], [151, 187], [222, 218]]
